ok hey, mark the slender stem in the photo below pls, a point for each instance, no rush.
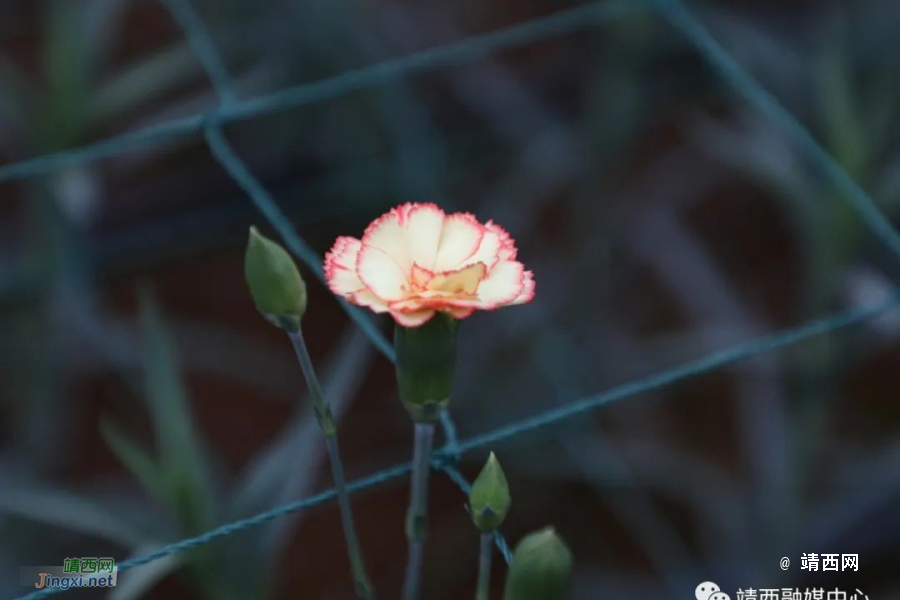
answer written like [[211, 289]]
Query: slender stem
[[320, 404], [329, 429], [484, 566], [417, 517], [357, 565]]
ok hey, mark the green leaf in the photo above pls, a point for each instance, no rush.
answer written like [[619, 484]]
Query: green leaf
[[61, 118], [840, 106], [141, 580], [68, 511], [188, 482], [16, 96], [138, 461], [144, 81], [76, 38]]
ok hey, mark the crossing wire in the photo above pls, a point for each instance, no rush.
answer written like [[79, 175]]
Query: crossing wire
[[212, 62], [231, 109], [710, 363], [744, 84], [441, 57]]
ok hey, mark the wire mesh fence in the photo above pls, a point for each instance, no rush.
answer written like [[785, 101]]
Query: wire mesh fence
[[210, 124]]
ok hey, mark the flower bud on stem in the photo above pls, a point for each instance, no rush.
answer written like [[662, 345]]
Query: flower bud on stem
[[279, 293], [489, 498], [541, 568], [489, 501], [278, 290]]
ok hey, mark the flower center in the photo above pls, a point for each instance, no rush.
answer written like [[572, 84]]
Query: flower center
[[463, 282]]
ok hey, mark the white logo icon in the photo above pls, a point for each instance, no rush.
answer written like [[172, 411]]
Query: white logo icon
[[710, 591]]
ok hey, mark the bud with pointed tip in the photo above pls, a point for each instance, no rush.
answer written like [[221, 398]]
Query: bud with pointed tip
[[275, 283], [541, 568], [489, 498]]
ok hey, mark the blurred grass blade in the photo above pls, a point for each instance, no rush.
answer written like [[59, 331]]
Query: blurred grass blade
[[141, 580], [66, 510], [138, 461], [842, 119], [61, 119], [180, 456], [100, 25], [16, 95], [148, 79], [287, 468]]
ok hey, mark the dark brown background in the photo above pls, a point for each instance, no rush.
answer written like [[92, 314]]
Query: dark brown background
[[663, 218]]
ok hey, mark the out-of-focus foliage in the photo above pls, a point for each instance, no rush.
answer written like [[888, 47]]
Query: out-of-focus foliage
[[663, 218]]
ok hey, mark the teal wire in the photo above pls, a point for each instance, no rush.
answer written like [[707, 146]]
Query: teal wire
[[239, 526], [710, 363], [684, 371], [445, 56], [211, 60], [752, 91], [442, 57], [214, 65], [203, 47], [264, 202]]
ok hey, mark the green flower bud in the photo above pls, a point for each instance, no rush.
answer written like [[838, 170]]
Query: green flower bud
[[541, 567], [426, 361], [275, 283], [489, 498]]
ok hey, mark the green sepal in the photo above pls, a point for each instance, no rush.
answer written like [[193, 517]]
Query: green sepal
[[426, 363]]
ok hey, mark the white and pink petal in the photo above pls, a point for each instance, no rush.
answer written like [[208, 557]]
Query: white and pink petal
[[415, 260], [503, 284], [340, 266], [458, 312], [412, 318], [527, 294], [488, 250], [423, 224], [381, 274], [367, 299], [387, 234], [507, 243], [460, 239]]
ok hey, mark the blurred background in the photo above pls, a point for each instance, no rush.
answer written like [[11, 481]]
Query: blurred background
[[143, 399]]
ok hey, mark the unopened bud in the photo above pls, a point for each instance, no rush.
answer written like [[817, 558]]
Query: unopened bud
[[541, 568], [275, 283], [489, 498]]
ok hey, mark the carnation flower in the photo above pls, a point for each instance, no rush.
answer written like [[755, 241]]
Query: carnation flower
[[415, 260]]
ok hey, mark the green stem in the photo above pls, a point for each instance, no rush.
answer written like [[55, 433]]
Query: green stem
[[417, 517], [361, 580], [329, 429], [484, 566]]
